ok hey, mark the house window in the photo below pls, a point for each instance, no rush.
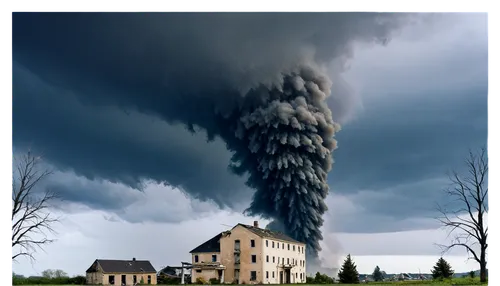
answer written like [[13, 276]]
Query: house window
[[149, 279], [300, 276], [273, 259], [267, 243], [273, 274], [289, 246], [296, 275], [198, 270], [111, 279], [253, 275], [196, 258], [252, 243], [288, 261], [294, 248], [254, 258], [267, 274], [214, 257], [282, 245], [283, 260], [272, 243], [267, 258], [237, 245], [135, 279]]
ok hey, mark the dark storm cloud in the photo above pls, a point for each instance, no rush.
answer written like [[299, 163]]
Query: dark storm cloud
[[199, 69], [120, 146], [158, 63], [92, 92], [176, 58], [157, 203]]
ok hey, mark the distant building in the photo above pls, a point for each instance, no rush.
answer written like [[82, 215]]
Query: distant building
[[121, 272], [250, 255]]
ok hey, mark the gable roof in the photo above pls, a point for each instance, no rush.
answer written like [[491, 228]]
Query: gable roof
[[266, 233], [123, 266], [211, 245]]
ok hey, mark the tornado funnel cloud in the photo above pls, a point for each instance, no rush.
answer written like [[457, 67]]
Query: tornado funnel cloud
[[284, 141]]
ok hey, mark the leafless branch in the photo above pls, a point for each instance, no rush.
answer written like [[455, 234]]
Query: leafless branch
[[31, 216], [467, 222]]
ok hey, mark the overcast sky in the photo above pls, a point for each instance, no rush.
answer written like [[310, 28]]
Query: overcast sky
[[409, 110]]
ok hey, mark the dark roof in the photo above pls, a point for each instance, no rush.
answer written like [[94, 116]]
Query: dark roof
[[211, 245], [123, 266], [269, 233]]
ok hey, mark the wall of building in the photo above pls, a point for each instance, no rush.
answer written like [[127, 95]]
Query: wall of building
[[295, 257], [94, 278], [205, 274], [129, 278], [205, 257], [246, 251]]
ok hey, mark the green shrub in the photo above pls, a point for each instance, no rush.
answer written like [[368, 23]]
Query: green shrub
[[201, 280], [164, 280], [77, 280], [214, 281]]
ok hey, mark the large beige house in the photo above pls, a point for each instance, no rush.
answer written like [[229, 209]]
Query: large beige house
[[248, 254], [121, 272]]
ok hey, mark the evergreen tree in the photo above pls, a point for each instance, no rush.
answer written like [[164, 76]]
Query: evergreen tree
[[442, 269], [377, 274], [348, 273]]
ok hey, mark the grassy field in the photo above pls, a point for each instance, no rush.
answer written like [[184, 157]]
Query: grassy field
[[457, 281]]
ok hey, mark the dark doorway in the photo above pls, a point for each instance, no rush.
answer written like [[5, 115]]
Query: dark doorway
[[253, 275], [111, 279], [219, 273], [237, 276], [287, 276], [124, 279], [281, 277]]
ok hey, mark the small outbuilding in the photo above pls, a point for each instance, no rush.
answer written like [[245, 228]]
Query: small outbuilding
[[121, 272]]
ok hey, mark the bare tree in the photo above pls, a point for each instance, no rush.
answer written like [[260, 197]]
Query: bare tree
[[465, 218], [31, 216], [54, 273], [48, 273]]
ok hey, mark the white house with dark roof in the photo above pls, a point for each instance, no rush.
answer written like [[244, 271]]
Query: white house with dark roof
[[248, 254], [121, 272]]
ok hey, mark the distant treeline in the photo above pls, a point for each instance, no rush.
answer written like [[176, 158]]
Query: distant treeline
[[77, 280]]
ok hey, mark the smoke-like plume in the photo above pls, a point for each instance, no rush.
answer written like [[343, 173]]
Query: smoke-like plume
[[284, 140]]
